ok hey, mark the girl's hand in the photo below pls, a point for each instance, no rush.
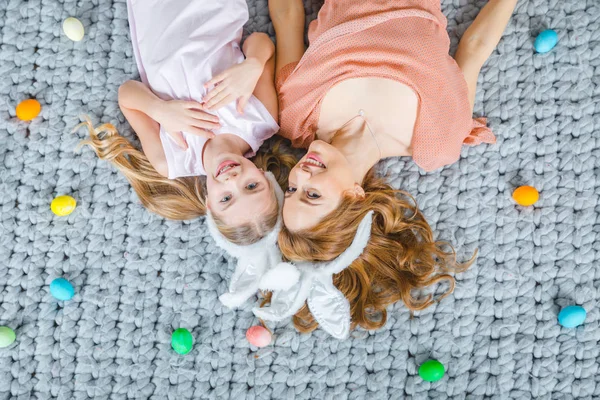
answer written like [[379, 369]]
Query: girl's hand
[[238, 82], [178, 116]]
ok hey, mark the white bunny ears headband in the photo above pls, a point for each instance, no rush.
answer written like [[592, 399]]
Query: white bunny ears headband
[[259, 267], [313, 282]]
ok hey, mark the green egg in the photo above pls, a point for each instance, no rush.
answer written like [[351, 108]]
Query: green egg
[[431, 370], [7, 336], [182, 341]]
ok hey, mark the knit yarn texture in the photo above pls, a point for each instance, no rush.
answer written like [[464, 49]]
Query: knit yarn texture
[[138, 277]]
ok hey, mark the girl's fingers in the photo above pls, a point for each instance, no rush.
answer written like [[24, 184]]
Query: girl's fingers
[[179, 139], [200, 132], [214, 91], [193, 105], [202, 115], [200, 123], [228, 99], [242, 102], [217, 99], [216, 79]]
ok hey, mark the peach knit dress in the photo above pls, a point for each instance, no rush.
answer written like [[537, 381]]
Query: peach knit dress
[[402, 40]]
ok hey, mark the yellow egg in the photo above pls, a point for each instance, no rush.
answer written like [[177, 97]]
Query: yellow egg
[[28, 109], [73, 28], [63, 205], [526, 195]]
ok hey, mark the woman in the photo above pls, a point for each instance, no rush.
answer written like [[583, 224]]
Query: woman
[[376, 81]]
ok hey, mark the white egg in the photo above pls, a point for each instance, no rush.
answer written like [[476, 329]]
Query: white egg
[[73, 28]]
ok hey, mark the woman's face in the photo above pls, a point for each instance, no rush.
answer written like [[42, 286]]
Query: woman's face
[[237, 191], [316, 186]]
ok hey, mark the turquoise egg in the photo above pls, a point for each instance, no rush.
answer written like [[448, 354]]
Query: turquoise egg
[[546, 41], [571, 316], [62, 289]]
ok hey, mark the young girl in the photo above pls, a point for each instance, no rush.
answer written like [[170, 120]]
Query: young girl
[[376, 81], [201, 109]]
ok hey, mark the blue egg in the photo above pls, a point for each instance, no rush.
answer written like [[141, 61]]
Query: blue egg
[[62, 289], [571, 316], [546, 41]]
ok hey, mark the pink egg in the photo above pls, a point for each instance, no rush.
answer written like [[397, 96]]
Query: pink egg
[[258, 336]]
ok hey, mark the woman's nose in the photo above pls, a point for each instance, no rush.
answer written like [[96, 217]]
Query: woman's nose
[[303, 172]]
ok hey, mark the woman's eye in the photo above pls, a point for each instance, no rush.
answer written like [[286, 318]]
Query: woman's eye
[[226, 199], [291, 189], [252, 186], [312, 195]]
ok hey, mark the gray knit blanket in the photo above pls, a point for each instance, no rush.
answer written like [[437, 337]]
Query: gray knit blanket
[[138, 277]]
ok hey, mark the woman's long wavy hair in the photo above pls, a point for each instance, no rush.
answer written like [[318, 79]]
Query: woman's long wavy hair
[[400, 258], [182, 198]]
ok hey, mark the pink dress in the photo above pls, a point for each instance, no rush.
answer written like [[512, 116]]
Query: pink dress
[[181, 44], [402, 40]]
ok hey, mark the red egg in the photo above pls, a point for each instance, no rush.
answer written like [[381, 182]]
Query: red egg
[[258, 336]]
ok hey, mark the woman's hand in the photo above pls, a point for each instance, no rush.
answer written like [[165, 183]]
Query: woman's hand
[[236, 83], [177, 116]]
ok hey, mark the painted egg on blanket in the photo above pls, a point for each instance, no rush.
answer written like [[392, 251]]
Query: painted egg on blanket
[[546, 41], [73, 28], [62, 289], [572, 316], [63, 205], [7, 336], [432, 370], [182, 341], [526, 195], [28, 109], [258, 336]]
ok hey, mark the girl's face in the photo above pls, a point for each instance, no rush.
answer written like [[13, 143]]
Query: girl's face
[[238, 192], [316, 186]]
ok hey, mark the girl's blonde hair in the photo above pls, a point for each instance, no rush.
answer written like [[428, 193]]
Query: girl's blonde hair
[[401, 255], [182, 198]]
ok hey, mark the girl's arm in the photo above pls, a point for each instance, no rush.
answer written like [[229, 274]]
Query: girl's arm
[[480, 40], [145, 111], [135, 101], [252, 76], [260, 46]]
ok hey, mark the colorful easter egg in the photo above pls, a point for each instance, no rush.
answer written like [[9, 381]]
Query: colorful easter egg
[[432, 370], [63, 205], [73, 28], [182, 341], [546, 41], [7, 336], [62, 289], [28, 109], [572, 316], [258, 336], [526, 195]]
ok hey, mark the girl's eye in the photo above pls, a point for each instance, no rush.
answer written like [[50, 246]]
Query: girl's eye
[[252, 186], [226, 199], [291, 189], [312, 195]]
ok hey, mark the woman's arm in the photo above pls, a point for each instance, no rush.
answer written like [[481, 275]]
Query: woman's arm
[[480, 40], [288, 20]]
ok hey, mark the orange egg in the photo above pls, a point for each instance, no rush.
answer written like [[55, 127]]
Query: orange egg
[[526, 195], [28, 109]]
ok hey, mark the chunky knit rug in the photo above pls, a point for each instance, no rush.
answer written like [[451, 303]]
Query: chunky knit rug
[[138, 277]]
